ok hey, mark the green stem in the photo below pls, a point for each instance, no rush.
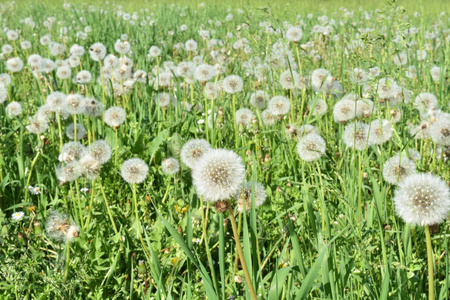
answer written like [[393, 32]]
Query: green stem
[[29, 176], [138, 223], [248, 279], [66, 271], [430, 264]]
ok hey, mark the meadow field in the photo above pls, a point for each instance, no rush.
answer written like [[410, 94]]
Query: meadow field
[[224, 150]]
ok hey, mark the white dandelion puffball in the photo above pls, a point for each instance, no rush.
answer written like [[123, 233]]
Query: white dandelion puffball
[[3, 94], [258, 99], [170, 166], [115, 116], [268, 117], [14, 109], [311, 147], [245, 195], [100, 150], [321, 81], [193, 150], [279, 105], [319, 105], [72, 151], [73, 104], [356, 135], [69, 172], [233, 84], [70, 131], [294, 34], [380, 132], [91, 167], [440, 130], [398, 167], [97, 51], [422, 199], [134, 170], [14, 64], [289, 80], [244, 116], [218, 175], [344, 110]]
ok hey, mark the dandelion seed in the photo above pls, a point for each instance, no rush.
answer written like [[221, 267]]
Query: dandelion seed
[[37, 125], [268, 117], [14, 109], [218, 175], [435, 73], [59, 227], [233, 84], [91, 166], [248, 191], [380, 132], [69, 172], [258, 99], [57, 102], [364, 108], [320, 107], [170, 166], [244, 116], [134, 171], [97, 51], [100, 150], [356, 135], [294, 34], [115, 116], [440, 130], [289, 80], [154, 51], [387, 88], [422, 199], [321, 81], [14, 65], [63, 73], [279, 105], [72, 151], [193, 150], [122, 46], [70, 131], [398, 167], [92, 107], [344, 110], [311, 147], [74, 104]]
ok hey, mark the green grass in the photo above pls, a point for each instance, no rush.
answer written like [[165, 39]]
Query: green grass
[[328, 229]]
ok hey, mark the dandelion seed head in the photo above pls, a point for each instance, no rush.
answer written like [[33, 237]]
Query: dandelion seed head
[[244, 116], [14, 64], [115, 116], [69, 172], [92, 107], [356, 135], [268, 117], [97, 51], [321, 81], [279, 105], [134, 170], [398, 167], [440, 130], [13, 108], [218, 175], [380, 132], [91, 166], [247, 191], [422, 199], [37, 125], [311, 147], [72, 151], [258, 99], [233, 84], [170, 166], [100, 150], [70, 131], [344, 110]]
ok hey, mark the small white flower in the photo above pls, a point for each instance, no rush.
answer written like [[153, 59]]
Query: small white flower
[[18, 215], [84, 190], [201, 121]]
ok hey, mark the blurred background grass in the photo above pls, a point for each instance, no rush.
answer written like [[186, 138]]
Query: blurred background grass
[[278, 8]]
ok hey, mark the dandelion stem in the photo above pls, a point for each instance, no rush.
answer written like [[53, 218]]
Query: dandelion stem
[[241, 254], [430, 264], [66, 271], [29, 176], [138, 223]]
